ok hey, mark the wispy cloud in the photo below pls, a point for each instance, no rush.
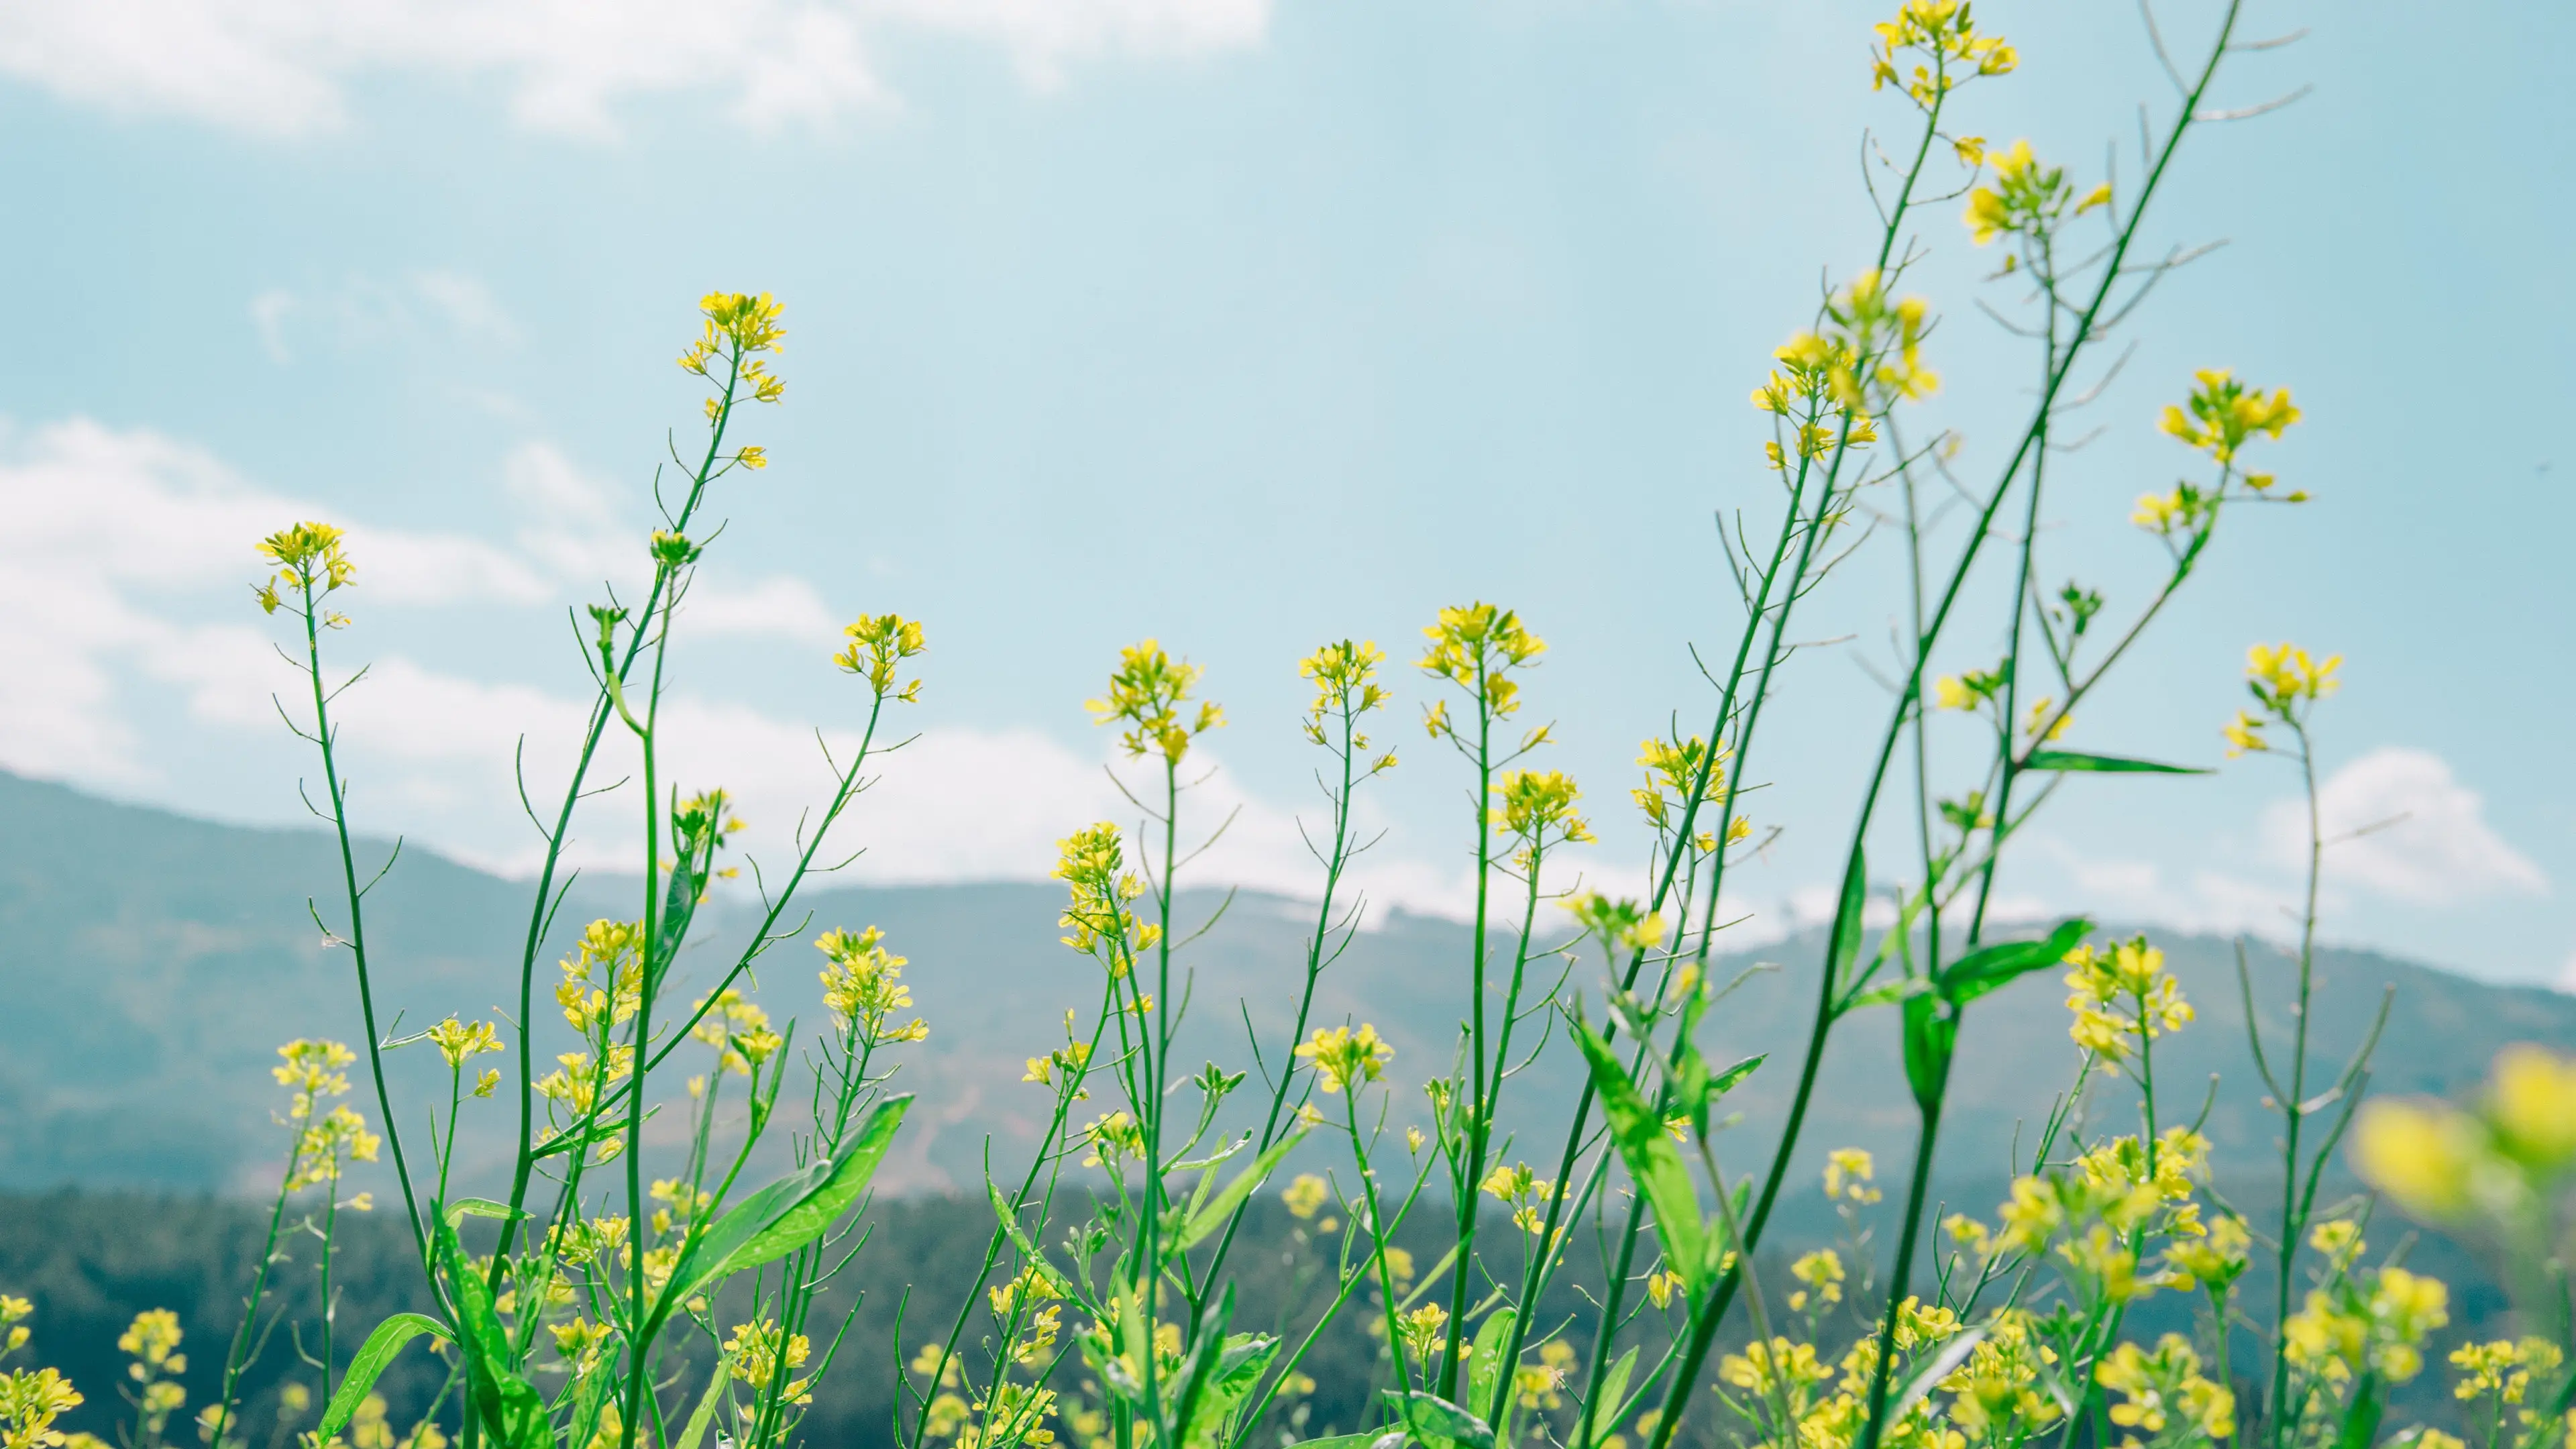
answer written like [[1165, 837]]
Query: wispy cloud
[[361, 312], [288, 67], [2400, 824], [125, 540]]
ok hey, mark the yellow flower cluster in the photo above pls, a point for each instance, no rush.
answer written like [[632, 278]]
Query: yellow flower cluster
[[863, 987], [2493, 1161], [878, 644], [738, 1029], [1092, 864], [460, 1041], [1476, 647], [1306, 1195], [1346, 687], [2380, 1325], [314, 1069], [761, 1360], [1146, 694], [311, 558], [30, 1401], [1946, 48], [737, 325], [1806, 392], [1538, 807], [2123, 997], [2503, 1367], [2162, 1387], [1876, 347], [1996, 1396], [1620, 925], [2285, 681], [2222, 414], [2026, 198], [603, 977], [1821, 1273], [329, 1142], [1343, 1056], [1675, 782], [1849, 1172]]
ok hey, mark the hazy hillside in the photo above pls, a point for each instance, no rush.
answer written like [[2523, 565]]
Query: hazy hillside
[[149, 965]]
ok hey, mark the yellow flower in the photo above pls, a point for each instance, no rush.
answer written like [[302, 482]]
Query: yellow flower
[[1537, 804], [879, 643], [2532, 1102], [457, 1041], [1343, 1056], [1622, 925], [2222, 414], [1306, 1195], [1848, 1173], [1822, 1272], [1146, 694], [2282, 675], [2423, 1155]]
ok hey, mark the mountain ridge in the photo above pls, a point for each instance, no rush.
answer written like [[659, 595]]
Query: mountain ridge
[[153, 962]]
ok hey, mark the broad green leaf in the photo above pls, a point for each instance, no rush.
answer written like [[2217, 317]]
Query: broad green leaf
[[512, 1412], [1601, 1404], [1212, 1214], [1441, 1422], [787, 1214], [1239, 1367], [1845, 950], [1931, 1036], [814, 1215], [1654, 1161], [1988, 968], [2361, 1421], [2072, 762], [369, 1362], [1485, 1367]]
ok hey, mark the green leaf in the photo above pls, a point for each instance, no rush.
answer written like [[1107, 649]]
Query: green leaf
[[1442, 1423], [1239, 1367], [1727, 1081], [1931, 1036], [1485, 1366], [2073, 762], [1019, 1236], [369, 1362], [479, 1207], [2361, 1421], [512, 1412], [1888, 995], [1984, 970], [1845, 950], [1212, 1214], [1601, 1405], [1654, 1161], [787, 1214], [1952, 1354]]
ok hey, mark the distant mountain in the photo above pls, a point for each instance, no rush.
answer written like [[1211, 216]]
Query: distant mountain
[[150, 964]]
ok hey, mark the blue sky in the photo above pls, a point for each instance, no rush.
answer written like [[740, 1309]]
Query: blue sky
[[1246, 325]]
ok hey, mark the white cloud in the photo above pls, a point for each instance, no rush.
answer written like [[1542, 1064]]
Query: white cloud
[[2427, 842], [119, 540], [287, 67], [127, 544], [364, 311]]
